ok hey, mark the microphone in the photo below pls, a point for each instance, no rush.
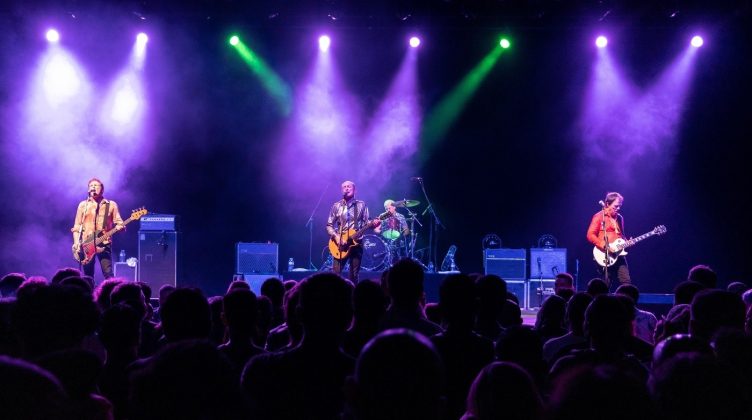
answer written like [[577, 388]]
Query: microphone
[[602, 204], [416, 178]]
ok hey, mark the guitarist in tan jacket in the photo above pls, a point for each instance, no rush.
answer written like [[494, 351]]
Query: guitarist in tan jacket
[[348, 220], [95, 215]]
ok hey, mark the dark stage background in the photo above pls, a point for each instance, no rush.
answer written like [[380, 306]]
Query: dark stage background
[[513, 163]]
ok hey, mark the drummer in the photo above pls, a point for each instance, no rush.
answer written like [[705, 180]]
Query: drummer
[[395, 226]]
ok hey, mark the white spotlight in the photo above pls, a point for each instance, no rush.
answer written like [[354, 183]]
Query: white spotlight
[[52, 36]]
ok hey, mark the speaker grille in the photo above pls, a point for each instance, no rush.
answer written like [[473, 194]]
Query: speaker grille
[[158, 258], [552, 262], [256, 258], [506, 263]]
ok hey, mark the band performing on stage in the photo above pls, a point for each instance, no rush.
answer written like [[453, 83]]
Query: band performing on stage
[[355, 240]]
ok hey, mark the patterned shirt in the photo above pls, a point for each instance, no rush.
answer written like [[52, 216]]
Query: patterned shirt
[[89, 210], [353, 215]]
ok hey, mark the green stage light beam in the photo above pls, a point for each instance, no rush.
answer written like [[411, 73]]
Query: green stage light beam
[[272, 83], [446, 112]]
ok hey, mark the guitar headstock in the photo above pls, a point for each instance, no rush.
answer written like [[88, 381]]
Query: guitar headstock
[[136, 214], [659, 230]]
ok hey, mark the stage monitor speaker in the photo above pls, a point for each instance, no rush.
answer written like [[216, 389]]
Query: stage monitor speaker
[[507, 263], [257, 258], [158, 258], [123, 270], [547, 262], [256, 280]]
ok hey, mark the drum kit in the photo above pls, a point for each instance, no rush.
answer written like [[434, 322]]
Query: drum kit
[[381, 251]]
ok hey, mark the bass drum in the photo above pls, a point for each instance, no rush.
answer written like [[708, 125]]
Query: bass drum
[[375, 253]]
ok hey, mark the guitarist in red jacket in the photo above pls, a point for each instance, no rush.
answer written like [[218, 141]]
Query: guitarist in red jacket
[[608, 224], [347, 219], [93, 216]]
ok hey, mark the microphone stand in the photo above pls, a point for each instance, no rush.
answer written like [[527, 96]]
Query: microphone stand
[[605, 238], [81, 231], [435, 224], [540, 284], [410, 243], [309, 225]]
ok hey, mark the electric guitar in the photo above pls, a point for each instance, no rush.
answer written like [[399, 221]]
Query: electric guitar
[[85, 251], [617, 247], [351, 238]]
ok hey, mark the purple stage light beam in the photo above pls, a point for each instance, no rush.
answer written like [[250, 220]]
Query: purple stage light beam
[[320, 140], [393, 135]]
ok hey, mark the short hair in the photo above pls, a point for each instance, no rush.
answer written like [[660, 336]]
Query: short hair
[[737, 287], [629, 290], [399, 375], [597, 287], [405, 282], [685, 291], [99, 181], [63, 273], [613, 196], [704, 275], [566, 278], [10, 283], [274, 290], [388, 203], [712, 310], [240, 309]]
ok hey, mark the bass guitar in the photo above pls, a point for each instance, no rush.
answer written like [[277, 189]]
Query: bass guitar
[[351, 238], [86, 250], [617, 247]]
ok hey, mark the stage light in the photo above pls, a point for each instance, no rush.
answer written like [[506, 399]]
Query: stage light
[[324, 43], [414, 42], [53, 35], [697, 41], [142, 38], [504, 43], [234, 40], [601, 41]]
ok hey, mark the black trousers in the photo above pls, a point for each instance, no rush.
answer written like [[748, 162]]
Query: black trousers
[[105, 263], [354, 256], [619, 270]]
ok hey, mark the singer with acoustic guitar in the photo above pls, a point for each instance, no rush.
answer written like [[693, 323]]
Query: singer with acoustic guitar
[[348, 220], [606, 227], [94, 216]]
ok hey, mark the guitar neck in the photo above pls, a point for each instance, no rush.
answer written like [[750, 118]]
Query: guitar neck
[[638, 239], [106, 235]]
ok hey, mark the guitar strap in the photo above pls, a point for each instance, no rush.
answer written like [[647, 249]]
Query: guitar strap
[[104, 217], [357, 219]]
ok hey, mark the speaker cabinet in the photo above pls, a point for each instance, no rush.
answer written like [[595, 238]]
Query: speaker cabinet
[[158, 258], [123, 270], [256, 258], [546, 263], [255, 281], [519, 289], [507, 263], [538, 290]]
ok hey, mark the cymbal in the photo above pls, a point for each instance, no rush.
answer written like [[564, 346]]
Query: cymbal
[[406, 203]]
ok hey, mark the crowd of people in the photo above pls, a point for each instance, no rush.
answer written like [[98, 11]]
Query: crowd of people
[[324, 348]]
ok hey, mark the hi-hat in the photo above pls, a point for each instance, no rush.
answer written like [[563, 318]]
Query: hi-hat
[[406, 203]]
